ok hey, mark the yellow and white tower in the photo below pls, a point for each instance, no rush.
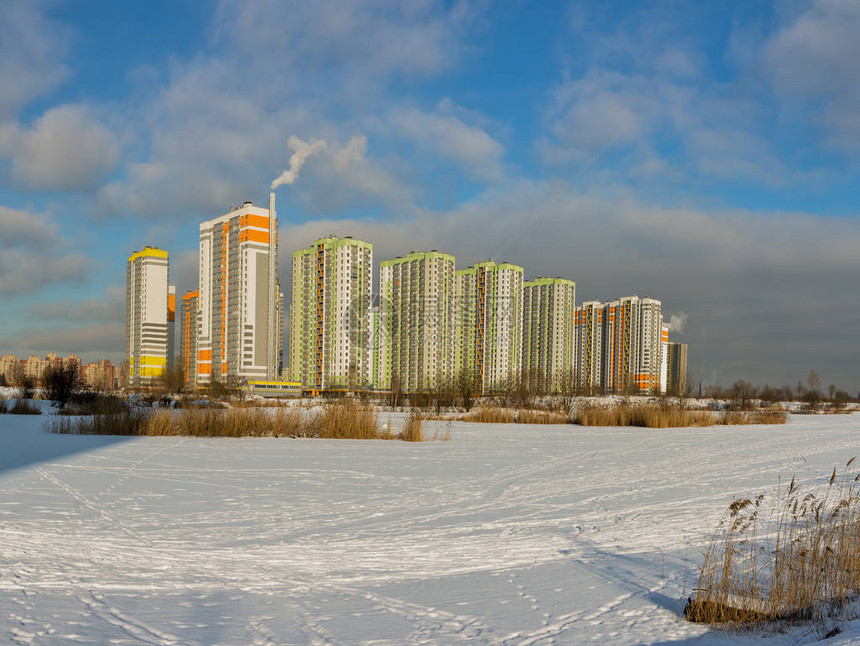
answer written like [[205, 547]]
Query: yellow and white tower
[[147, 303]]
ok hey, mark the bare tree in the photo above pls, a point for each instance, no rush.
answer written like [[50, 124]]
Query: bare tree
[[396, 391], [466, 388], [60, 382], [566, 391], [173, 378], [742, 393], [813, 395]]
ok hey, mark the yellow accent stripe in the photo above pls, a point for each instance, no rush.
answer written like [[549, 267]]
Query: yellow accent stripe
[[148, 252]]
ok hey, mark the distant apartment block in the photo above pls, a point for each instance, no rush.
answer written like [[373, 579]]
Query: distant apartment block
[[238, 296], [416, 321], [96, 375], [190, 317], [676, 369], [489, 320], [330, 316], [99, 375], [146, 316], [549, 347]]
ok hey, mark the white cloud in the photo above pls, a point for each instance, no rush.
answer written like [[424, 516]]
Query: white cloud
[[24, 229], [33, 253], [109, 308], [67, 149], [477, 153], [33, 49], [813, 61]]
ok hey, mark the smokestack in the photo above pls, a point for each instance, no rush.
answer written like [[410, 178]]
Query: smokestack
[[272, 323]]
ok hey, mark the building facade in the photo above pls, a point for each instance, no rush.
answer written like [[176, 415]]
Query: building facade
[[238, 296], [330, 316], [549, 346], [588, 326], [146, 327], [489, 302], [416, 322], [190, 317]]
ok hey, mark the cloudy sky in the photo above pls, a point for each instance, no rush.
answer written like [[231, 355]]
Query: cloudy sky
[[705, 154]]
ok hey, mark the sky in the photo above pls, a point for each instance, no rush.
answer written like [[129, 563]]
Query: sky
[[704, 154]]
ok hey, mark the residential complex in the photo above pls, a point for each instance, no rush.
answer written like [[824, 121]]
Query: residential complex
[[330, 316], [100, 375], [416, 322], [238, 296], [147, 290], [548, 328], [429, 326]]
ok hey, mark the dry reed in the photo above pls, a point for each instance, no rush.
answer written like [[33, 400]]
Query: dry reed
[[340, 419], [806, 567], [24, 407], [412, 429]]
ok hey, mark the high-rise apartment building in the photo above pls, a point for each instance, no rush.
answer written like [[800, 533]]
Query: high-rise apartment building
[[588, 325], [549, 346], [190, 327], [330, 315], [676, 382], [416, 321], [146, 330], [238, 296], [646, 378], [632, 345], [489, 319]]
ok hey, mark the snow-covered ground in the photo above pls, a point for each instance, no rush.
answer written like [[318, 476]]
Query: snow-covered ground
[[506, 534]]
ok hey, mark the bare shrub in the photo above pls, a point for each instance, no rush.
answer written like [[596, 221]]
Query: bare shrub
[[412, 429], [60, 382], [805, 567]]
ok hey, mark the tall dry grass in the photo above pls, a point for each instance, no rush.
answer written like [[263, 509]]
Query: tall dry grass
[[412, 428], [806, 567], [339, 419], [345, 419]]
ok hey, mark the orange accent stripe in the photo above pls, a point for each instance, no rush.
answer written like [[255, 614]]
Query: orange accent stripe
[[252, 235]]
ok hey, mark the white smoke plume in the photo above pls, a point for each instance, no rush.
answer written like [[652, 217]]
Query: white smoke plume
[[301, 151], [678, 322]]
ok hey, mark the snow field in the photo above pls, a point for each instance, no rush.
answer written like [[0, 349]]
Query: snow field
[[506, 534]]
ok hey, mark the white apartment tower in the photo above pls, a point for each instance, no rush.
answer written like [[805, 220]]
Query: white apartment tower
[[330, 316], [631, 342], [146, 329], [416, 321], [489, 319], [238, 296], [548, 332]]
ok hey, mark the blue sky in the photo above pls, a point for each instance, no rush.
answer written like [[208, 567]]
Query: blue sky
[[728, 190]]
